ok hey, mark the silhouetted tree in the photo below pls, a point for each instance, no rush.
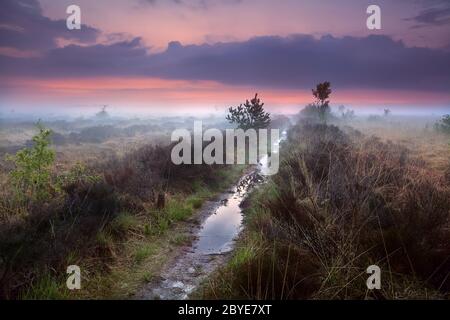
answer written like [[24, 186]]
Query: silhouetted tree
[[251, 114], [322, 94], [102, 114], [386, 112]]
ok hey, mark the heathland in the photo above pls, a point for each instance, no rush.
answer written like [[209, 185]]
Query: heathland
[[103, 194]]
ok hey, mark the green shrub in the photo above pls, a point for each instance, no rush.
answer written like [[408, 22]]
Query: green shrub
[[31, 176]]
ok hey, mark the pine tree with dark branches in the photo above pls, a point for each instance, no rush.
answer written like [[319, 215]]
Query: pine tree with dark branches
[[251, 114]]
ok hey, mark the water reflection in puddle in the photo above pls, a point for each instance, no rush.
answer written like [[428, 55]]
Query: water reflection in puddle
[[216, 237], [221, 228]]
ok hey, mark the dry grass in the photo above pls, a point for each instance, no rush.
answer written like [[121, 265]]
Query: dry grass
[[417, 135], [341, 202]]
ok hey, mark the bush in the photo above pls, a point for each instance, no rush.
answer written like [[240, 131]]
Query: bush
[[444, 124], [97, 198], [31, 176], [79, 173]]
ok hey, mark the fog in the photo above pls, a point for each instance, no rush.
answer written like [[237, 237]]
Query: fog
[[34, 114]]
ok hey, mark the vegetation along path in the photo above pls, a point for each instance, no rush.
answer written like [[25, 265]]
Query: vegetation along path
[[221, 223]]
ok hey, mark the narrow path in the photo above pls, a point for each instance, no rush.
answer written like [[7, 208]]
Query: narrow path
[[221, 224], [214, 240]]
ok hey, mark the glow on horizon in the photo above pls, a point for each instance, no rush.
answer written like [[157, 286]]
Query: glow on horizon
[[153, 95], [145, 91]]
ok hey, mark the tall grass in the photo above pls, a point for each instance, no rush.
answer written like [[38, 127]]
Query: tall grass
[[340, 203]]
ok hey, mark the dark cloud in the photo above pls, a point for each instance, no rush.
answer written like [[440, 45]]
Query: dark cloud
[[435, 13], [288, 62], [121, 58], [23, 27], [297, 61]]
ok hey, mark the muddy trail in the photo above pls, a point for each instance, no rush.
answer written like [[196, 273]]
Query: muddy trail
[[221, 222]]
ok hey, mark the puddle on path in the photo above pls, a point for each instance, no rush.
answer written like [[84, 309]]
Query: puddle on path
[[214, 239]]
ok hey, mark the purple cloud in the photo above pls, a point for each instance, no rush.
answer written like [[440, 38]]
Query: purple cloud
[[297, 61], [23, 27], [435, 13]]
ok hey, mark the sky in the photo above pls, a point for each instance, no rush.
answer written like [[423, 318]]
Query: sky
[[202, 56]]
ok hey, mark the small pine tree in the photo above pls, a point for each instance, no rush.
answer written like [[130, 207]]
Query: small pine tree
[[249, 115], [31, 175]]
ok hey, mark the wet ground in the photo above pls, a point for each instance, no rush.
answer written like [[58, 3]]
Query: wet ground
[[214, 239]]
